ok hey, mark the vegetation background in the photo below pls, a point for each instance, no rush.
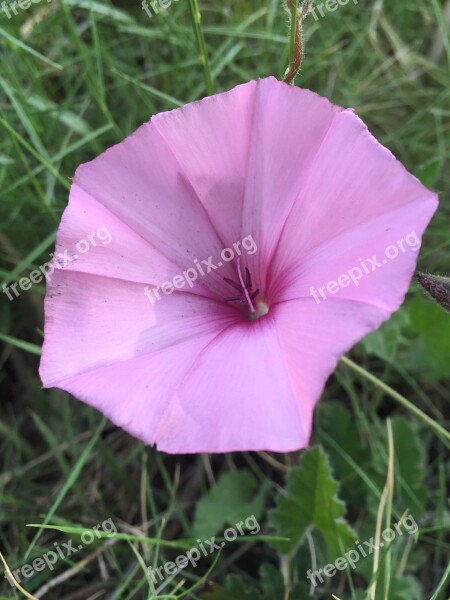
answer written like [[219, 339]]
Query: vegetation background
[[76, 76]]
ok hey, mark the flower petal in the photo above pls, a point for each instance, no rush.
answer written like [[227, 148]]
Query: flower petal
[[237, 396], [313, 338], [353, 180], [290, 125], [319, 196], [142, 184], [95, 321], [210, 140], [187, 377], [372, 263], [92, 240]]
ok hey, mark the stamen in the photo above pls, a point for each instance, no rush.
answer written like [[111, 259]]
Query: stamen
[[233, 284], [247, 293], [248, 279], [244, 287]]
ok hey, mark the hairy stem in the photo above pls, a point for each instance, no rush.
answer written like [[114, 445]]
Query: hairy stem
[[296, 17]]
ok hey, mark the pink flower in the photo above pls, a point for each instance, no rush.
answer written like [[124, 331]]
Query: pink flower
[[196, 371]]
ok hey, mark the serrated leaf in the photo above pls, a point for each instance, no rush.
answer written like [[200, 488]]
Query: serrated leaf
[[231, 500], [311, 502]]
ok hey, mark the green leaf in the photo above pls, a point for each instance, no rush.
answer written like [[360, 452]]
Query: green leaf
[[410, 452], [349, 454], [431, 351], [271, 587], [234, 588], [409, 465], [405, 588], [383, 342], [428, 173], [311, 502], [231, 500]]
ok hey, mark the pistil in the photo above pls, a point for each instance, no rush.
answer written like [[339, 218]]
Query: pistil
[[244, 287]]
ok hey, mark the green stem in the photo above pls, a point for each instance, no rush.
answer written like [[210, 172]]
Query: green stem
[[296, 16], [294, 26], [443, 433], [201, 46], [295, 42]]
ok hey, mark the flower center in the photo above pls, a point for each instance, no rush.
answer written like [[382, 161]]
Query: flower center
[[246, 294], [261, 309]]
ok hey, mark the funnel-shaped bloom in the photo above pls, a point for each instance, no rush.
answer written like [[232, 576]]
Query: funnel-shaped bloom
[[321, 227]]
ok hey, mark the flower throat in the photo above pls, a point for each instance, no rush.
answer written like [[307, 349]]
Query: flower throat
[[246, 294]]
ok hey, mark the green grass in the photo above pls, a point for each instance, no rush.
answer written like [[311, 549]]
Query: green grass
[[75, 78]]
